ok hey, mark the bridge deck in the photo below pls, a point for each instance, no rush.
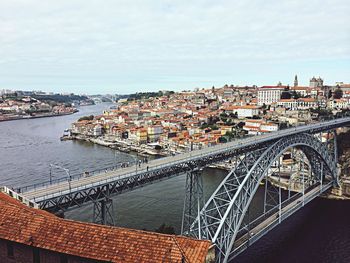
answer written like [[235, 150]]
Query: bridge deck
[[269, 223], [61, 188]]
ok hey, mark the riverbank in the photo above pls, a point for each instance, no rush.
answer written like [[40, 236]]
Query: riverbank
[[10, 117], [141, 150]]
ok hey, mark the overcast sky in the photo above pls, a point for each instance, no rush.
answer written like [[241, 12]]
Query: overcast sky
[[115, 46]]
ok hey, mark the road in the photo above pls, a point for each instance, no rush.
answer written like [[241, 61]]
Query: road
[[57, 189], [274, 218]]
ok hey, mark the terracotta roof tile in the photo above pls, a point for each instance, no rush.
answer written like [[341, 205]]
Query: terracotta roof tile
[[41, 229]]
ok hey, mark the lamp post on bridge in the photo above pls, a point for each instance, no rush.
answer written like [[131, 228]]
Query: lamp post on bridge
[[66, 170]]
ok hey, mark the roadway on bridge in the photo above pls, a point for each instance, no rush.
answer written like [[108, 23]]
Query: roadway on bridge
[[61, 188], [275, 217]]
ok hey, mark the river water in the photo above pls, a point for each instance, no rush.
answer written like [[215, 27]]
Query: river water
[[320, 232]]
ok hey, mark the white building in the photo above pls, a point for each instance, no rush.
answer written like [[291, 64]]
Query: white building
[[244, 111], [298, 104], [342, 103], [98, 130], [154, 132], [302, 91], [255, 127], [269, 94]]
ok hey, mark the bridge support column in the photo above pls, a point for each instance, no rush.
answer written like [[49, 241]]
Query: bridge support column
[[194, 200], [103, 211], [335, 147], [303, 178]]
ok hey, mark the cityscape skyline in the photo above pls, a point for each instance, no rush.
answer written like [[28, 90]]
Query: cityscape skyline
[[174, 131], [122, 47]]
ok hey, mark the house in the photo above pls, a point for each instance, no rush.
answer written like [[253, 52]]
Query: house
[[97, 130], [244, 111], [255, 127], [141, 135], [154, 132]]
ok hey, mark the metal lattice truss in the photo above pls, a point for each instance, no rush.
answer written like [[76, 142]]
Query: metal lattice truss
[[221, 218], [194, 200], [79, 197], [103, 212]]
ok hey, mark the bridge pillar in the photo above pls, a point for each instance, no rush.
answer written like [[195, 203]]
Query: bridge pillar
[[194, 200], [103, 211], [335, 147]]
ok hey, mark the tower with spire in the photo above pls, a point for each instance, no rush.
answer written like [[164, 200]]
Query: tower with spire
[[296, 81]]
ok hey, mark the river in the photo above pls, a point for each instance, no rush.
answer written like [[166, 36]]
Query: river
[[320, 232]]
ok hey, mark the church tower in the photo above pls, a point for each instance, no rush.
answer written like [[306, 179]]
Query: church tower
[[296, 81]]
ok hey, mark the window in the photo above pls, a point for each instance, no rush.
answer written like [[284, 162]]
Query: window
[[10, 250], [36, 255], [63, 259]]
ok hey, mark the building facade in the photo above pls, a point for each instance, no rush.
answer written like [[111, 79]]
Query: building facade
[[316, 82], [269, 94]]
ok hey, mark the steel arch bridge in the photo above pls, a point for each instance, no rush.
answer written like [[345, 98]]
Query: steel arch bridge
[[221, 219]]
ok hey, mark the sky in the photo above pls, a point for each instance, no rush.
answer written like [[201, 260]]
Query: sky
[[117, 46]]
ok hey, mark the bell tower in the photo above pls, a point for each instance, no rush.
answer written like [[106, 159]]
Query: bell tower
[[296, 81]]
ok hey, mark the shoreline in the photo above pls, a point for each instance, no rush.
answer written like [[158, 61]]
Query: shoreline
[[125, 148], [28, 117], [119, 146]]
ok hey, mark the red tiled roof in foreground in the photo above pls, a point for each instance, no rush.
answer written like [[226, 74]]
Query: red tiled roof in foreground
[[41, 229]]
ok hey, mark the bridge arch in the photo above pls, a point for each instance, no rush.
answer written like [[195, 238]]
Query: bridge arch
[[221, 217]]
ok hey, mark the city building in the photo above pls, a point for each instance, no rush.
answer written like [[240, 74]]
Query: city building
[[298, 104], [316, 82], [255, 127], [269, 94], [247, 111]]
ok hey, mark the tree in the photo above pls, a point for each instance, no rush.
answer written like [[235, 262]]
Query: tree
[[86, 118], [329, 94], [164, 229], [240, 125], [233, 115], [295, 95], [286, 95], [223, 139], [338, 93], [223, 116], [283, 125], [213, 127]]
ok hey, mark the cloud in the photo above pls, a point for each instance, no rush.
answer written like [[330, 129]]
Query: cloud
[[140, 43]]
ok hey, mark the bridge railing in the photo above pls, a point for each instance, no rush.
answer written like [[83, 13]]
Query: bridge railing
[[253, 236], [72, 177], [113, 178]]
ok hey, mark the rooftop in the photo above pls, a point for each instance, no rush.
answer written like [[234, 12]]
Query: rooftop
[[37, 228]]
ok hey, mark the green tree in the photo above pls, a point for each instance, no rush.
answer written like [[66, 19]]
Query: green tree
[[86, 118], [338, 93], [223, 139], [286, 95], [329, 94], [295, 95], [165, 229]]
